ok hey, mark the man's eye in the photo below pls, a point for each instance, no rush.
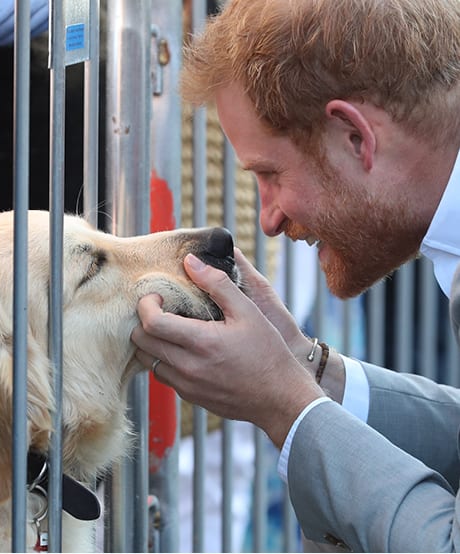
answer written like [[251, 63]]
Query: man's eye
[[266, 174]]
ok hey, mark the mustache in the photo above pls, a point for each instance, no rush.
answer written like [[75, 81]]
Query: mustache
[[295, 231]]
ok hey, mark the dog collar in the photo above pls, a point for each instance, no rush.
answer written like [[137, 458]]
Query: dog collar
[[77, 500]]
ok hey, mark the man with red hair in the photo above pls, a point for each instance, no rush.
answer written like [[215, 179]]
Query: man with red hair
[[348, 114]]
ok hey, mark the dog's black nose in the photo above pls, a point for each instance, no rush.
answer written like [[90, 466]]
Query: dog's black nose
[[217, 250], [220, 243]]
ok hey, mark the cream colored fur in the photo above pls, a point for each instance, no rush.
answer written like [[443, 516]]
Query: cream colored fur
[[104, 277]]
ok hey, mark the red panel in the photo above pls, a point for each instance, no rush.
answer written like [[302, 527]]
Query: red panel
[[162, 412]]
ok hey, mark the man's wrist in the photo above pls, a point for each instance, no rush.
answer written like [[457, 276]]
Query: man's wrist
[[333, 377], [331, 373]]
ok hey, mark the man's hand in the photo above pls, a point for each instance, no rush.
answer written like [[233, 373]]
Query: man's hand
[[239, 368], [259, 289]]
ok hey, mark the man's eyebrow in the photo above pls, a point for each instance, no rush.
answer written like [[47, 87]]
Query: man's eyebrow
[[257, 165]]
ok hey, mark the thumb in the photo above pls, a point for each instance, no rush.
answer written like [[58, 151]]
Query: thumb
[[216, 283]]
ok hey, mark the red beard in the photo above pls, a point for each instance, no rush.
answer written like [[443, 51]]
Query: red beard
[[366, 240]]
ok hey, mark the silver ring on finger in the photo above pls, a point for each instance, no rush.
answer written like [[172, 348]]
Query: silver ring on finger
[[155, 365]]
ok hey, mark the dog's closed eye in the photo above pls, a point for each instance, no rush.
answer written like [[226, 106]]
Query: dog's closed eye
[[97, 262]]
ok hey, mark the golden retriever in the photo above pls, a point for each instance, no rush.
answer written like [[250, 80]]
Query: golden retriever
[[103, 278]]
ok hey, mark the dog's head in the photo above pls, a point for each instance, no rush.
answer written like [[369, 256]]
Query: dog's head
[[103, 278]]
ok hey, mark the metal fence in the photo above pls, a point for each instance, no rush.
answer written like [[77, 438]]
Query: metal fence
[[396, 324]]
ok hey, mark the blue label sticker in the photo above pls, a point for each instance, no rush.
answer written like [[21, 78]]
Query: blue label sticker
[[75, 37]]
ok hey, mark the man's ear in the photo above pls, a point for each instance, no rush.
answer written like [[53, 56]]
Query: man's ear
[[361, 137]]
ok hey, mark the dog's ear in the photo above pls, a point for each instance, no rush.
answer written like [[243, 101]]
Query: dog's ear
[[39, 401]]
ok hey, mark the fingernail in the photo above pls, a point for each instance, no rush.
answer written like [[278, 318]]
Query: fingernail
[[195, 263]]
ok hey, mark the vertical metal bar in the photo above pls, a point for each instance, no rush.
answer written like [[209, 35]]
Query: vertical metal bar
[[404, 325], [320, 304], [199, 415], [57, 140], [20, 312], [376, 314], [428, 315], [227, 426], [289, 520], [452, 358], [260, 249], [199, 136], [91, 120], [199, 460], [128, 143], [260, 493], [128, 167], [289, 281], [117, 511], [140, 18], [347, 318], [260, 474], [227, 485], [140, 403], [166, 133], [166, 145], [91, 129], [229, 186], [199, 167], [199, 219], [290, 525]]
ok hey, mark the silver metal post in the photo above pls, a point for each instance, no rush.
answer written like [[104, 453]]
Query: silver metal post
[[199, 167], [320, 308], [199, 136], [376, 314], [404, 325], [289, 520], [199, 415], [128, 167], [20, 317], [347, 319], [227, 426], [166, 155], [57, 140], [199, 460], [199, 220], [452, 358], [260, 439], [260, 492], [91, 120], [428, 315]]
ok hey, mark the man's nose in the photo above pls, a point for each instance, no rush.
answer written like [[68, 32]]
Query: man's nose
[[271, 216]]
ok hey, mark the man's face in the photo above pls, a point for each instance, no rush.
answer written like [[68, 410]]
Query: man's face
[[362, 233]]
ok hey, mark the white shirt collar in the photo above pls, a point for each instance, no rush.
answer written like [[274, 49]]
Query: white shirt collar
[[442, 240]]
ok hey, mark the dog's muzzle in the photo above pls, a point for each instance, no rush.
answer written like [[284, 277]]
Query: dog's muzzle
[[217, 251]]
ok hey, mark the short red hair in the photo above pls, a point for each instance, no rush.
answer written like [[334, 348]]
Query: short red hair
[[293, 56]]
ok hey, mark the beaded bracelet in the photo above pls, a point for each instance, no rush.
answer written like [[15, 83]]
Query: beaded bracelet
[[322, 362]]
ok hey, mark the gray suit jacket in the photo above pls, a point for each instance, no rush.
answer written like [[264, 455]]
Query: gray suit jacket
[[390, 485]]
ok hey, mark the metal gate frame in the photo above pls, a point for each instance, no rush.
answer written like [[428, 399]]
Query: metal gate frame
[[144, 152]]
